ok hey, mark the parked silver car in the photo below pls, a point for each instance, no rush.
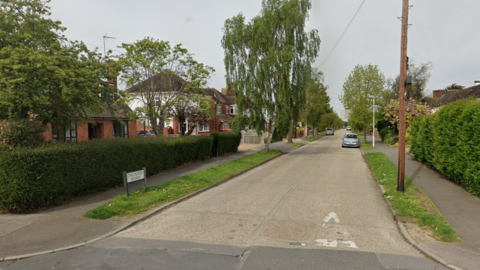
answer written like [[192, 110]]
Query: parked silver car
[[145, 133], [329, 131], [350, 140], [349, 128]]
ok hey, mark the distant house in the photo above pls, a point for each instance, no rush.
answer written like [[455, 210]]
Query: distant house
[[443, 97], [222, 108], [104, 125]]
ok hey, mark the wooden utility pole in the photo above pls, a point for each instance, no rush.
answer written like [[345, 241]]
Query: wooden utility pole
[[401, 97]]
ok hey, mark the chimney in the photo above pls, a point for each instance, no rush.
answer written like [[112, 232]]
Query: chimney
[[477, 82], [224, 91], [438, 93]]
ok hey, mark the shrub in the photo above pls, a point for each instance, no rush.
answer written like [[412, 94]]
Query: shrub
[[450, 141], [225, 142], [21, 133], [35, 178]]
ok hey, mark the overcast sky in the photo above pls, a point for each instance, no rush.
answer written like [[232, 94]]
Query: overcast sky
[[444, 32]]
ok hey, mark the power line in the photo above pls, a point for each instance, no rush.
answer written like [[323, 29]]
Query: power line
[[341, 36]]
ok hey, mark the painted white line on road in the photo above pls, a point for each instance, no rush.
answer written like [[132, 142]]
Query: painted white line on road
[[349, 244], [325, 243], [335, 243], [330, 216]]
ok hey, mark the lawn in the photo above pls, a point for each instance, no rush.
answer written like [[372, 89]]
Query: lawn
[[366, 146], [141, 201], [313, 138], [413, 203]]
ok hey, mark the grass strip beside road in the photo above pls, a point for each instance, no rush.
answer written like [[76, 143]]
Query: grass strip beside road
[[413, 203], [313, 138], [366, 146], [141, 201]]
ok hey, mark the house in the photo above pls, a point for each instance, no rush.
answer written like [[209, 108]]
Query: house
[[107, 124], [222, 108], [222, 105], [443, 97]]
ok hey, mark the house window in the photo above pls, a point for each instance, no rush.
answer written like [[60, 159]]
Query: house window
[[63, 133], [226, 109], [203, 128], [226, 126], [219, 109], [120, 130], [233, 109]]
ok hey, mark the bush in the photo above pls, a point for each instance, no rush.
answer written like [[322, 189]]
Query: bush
[[450, 142], [21, 133], [225, 142], [35, 178]]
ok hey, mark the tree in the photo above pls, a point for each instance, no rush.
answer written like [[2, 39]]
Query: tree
[[266, 62], [420, 76], [362, 85], [166, 81], [42, 74], [454, 86], [330, 120], [317, 100], [413, 109]]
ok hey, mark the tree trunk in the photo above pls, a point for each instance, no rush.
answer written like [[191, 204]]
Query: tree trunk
[[290, 132], [365, 132], [271, 130]]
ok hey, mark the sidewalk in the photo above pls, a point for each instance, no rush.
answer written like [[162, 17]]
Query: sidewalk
[[63, 227], [460, 209]]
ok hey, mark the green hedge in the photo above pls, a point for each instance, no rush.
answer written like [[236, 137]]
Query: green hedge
[[225, 142], [449, 141], [35, 178]]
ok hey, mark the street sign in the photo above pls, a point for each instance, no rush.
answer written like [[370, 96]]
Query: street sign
[[135, 176]]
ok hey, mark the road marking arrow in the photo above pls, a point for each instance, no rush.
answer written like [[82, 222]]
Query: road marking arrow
[[325, 243], [350, 244], [330, 216]]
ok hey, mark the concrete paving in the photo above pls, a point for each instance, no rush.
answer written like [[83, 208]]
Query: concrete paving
[[460, 209], [319, 196]]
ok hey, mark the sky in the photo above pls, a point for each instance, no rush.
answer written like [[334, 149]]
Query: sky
[[445, 33]]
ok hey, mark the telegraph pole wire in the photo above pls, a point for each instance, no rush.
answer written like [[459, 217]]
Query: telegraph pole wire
[[341, 36]]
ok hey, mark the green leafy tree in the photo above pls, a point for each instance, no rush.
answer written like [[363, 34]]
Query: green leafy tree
[[362, 85], [317, 100], [420, 76], [267, 62], [44, 75], [165, 81]]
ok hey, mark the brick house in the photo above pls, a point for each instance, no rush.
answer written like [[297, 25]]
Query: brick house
[[105, 125], [222, 108]]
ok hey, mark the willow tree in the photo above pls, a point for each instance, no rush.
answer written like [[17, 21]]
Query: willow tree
[[266, 61], [362, 86]]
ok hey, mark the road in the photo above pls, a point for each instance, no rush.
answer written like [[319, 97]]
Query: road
[[316, 207]]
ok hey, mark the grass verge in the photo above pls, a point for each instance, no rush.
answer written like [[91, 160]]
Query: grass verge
[[413, 202], [141, 201], [313, 138], [296, 144], [366, 146]]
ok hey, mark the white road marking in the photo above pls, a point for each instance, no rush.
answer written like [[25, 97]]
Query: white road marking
[[325, 243], [330, 216], [335, 243], [350, 244]]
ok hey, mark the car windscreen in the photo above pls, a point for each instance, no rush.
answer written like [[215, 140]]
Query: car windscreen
[[351, 136]]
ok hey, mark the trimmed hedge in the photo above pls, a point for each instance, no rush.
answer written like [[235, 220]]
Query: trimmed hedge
[[225, 142], [35, 178], [449, 141]]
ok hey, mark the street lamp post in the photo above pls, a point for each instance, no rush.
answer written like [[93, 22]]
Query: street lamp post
[[373, 129]]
